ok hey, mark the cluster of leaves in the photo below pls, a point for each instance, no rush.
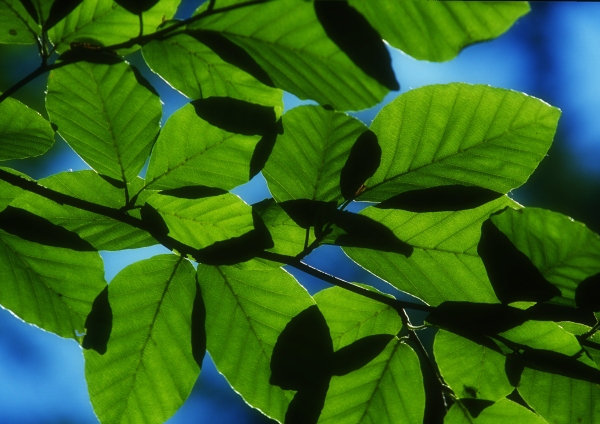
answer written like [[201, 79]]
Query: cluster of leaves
[[512, 290]]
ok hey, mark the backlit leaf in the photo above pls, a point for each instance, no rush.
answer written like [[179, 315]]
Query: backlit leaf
[[23, 131], [16, 24], [459, 134], [437, 31], [51, 287], [106, 113], [148, 369], [503, 411]]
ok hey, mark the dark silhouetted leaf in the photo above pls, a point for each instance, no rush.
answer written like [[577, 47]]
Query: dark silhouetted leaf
[[31, 227], [136, 6], [193, 192], [76, 54], [303, 355], [441, 198], [587, 294], [198, 326], [476, 406], [309, 213], [353, 34], [30, 8], [98, 324], [307, 404], [263, 149], [468, 318], [237, 116], [364, 159], [557, 363], [365, 232], [154, 220], [360, 353], [59, 10], [513, 276]]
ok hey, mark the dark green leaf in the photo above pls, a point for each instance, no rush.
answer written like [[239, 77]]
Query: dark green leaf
[[189, 151], [203, 64], [247, 307], [363, 161], [104, 22], [148, 369], [437, 31], [23, 131], [137, 6], [59, 10], [308, 158], [98, 324], [472, 135], [444, 264], [16, 24], [274, 32], [359, 354], [107, 114], [50, 287], [587, 294]]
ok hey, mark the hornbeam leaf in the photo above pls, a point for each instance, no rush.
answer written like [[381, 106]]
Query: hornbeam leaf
[[104, 22], [308, 158], [202, 222], [247, 307], [189, 151], [472, 370], [437, 31], [23, 131], [203, 64], [148, 369], [472, 135], [503, 411], [566, 252], [101, 231], [560, 399], [16, 24], [274, 32], [106, 113], [51, 287], [444, 264]]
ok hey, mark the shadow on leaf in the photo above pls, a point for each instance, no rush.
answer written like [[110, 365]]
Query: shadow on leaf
[[31, 227], [512, 274], [309, 213], [353, 34], [264, 147], [441, 198], [198, 326], [587, 295], [476, 406], [362, 231], [363, 161], [136, 6], [303, 360], [59, 10], [193, 192], [98, 324]]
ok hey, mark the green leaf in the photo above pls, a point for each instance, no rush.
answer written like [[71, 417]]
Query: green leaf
[[247, 307], [503, 411], [205, 64], [307, 159], [351, 316], [560, 399], [389, 389], [106, 113], [9, 192], [460, 134], [51, 287], [104, 22], [102, 232], [544, 335], [189, 151], [202, 222], [23, 131], [470, 369], [148, 369], [16, 24], [437, 31], [444, 264], [288, 237], [274, 32], [565, 251]]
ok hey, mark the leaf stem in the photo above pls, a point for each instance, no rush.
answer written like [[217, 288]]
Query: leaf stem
[[30, 77]]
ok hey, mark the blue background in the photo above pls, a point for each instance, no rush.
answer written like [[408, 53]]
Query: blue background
[[552, 53]]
